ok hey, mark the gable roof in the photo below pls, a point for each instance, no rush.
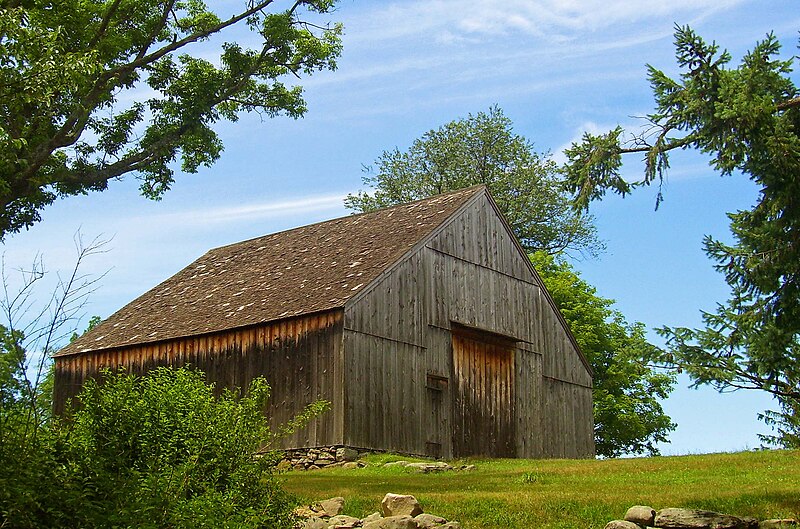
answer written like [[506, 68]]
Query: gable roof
[[308, 269]]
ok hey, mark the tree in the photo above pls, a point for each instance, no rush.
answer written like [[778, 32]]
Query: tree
[[483, 149], [628, 417], [68, 68], [747, 119]]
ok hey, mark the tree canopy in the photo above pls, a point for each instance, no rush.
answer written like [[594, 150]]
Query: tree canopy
[[628, 417], [483, 149], [747, 119], [91, 91]]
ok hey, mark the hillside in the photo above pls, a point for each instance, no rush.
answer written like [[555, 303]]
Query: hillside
[[569, 494]]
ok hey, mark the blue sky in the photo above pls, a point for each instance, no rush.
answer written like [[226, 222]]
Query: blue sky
[[556, 68]]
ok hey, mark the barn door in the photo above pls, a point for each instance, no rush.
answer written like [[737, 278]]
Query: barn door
[[483, 400]]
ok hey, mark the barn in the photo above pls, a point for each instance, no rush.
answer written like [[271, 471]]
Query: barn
[[423, 324]]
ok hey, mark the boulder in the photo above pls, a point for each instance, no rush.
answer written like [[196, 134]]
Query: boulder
[[641, 515], [450, 525], [346, 454], [313, 523], [350, 464], [400, 504], [308, 511], [429, 521], [698, 519], [344, 522], [372, 517], [621, 524], [332, 506], [393, 522], [438, 466]]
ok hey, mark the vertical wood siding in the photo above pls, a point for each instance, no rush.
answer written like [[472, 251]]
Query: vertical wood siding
[[299, 357], [398, 333]]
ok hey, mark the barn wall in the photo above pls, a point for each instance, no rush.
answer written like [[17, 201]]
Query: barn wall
[[397, 335], [299, 357]]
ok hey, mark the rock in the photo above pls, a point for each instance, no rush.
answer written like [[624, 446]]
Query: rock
[[450, 525], [621, 524], [429, 521], [350, 464], [346, 454], [305, 512], [400, 504], [314, 523], [372, 517], [468, 468], [641, 515], [344, 522], [314, 467], [438, 466], [698, 519], [393, 522], [775, 523], [332, 506]]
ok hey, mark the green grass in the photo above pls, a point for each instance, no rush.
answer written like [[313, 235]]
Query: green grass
[[569, 494]]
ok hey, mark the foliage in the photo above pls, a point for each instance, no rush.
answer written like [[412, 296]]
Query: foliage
[[165, 450], [483, 149], [570, 494], [747, 119], [154, 451], [91, 91], [628, 417]]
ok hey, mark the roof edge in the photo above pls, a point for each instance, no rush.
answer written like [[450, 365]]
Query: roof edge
[[59, 354], [548, 297]]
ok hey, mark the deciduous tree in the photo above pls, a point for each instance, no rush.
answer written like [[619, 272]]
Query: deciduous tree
[[91, 91], [628, 417], [483, 149], [747, 119]]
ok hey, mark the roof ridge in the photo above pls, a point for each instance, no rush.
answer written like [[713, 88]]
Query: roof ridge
[[473, 188]]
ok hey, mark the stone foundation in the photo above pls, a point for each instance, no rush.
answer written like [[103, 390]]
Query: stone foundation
[[321, 456]]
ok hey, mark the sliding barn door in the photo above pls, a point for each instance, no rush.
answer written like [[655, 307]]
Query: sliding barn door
[[483, 411]]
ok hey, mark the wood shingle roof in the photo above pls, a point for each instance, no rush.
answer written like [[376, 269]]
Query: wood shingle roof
[[308, 269]]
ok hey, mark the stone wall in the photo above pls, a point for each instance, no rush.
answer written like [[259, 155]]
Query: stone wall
[[320, 457], [645, 517]]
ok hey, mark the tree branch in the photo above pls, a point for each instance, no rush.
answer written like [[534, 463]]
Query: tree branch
[[105, 23], [75, 123], [789, 103]]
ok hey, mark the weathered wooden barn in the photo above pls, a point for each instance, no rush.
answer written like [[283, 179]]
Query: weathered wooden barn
[[423, 324]]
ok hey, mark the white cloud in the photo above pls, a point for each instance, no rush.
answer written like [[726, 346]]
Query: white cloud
[[551, 20], [247, 212]]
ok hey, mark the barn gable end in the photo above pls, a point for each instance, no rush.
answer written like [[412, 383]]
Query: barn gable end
[[423, 324], [406, 330]]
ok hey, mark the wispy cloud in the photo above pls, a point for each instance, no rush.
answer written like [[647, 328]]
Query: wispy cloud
[[552, 20], [249, 212]]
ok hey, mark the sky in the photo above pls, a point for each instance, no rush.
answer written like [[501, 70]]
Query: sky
[[555, 68]]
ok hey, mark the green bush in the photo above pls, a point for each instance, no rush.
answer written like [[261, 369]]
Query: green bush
[[148, 452]]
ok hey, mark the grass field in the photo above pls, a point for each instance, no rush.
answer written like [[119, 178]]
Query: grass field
[[568, 493]]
